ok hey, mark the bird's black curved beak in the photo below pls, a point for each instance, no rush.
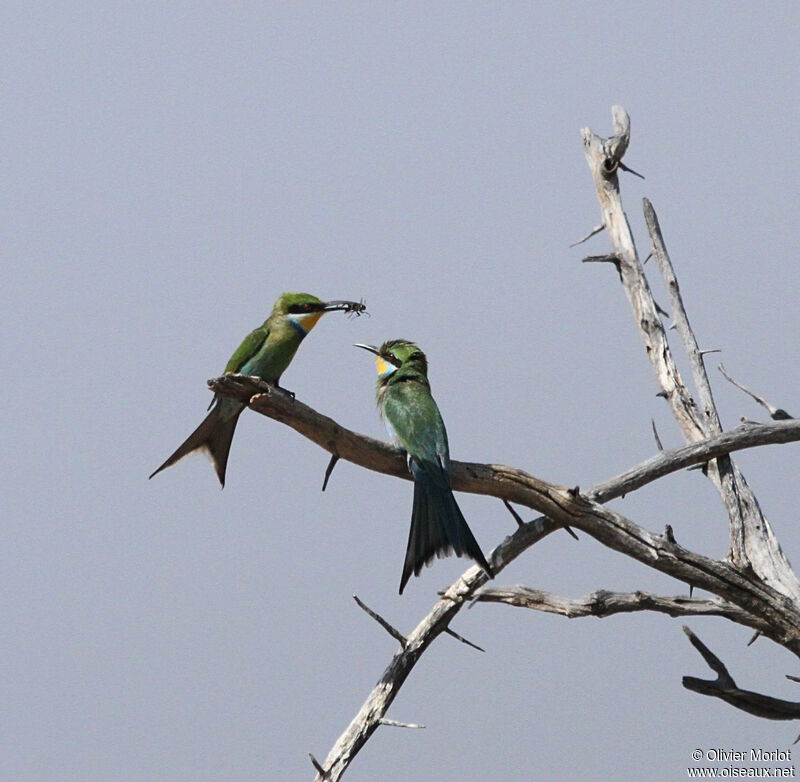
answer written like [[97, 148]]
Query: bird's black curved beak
[[370, 348]]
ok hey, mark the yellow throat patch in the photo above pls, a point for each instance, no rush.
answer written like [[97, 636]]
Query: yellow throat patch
[[309, 320]]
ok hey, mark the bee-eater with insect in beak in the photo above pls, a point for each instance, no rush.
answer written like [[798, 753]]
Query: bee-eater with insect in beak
[[264, 353], [415, 424]]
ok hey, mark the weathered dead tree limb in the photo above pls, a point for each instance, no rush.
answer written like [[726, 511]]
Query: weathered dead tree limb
[[708, 406], [738, 439], [603, 157], [559, 505], [493, 480], [724, 687], [371, 715], [603, 603], [752, 542]]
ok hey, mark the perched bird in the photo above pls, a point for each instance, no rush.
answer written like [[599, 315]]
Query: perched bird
[[264, 353], [414, 423]]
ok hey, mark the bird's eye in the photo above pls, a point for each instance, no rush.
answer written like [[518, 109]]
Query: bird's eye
[[307, 307]]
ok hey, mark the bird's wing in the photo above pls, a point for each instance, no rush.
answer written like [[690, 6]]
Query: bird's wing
[[418, 426], [251, 344]]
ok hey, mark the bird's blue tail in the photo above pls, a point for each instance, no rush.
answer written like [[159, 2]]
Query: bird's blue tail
[[438, 527]]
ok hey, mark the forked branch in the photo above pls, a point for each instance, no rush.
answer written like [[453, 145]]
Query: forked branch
[[752, 541], [560, 506], [724, 687]]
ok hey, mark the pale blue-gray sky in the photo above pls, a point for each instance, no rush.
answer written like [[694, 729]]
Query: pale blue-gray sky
[[168, 170]]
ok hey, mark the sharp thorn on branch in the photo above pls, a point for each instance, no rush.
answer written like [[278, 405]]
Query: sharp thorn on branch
[[575, 491], [702, 467], [669, 536], [521, 523], [395, 724], [463, 640], [649, 256], [593, 232], [517, 517], [655, 434], [756, 635], [672, 327], [630, 170], [571, 531], [796, 740], [321, 771], [706, 351], [691, 589], [396, 634], [329, 470], [793, 678], [663, 394]]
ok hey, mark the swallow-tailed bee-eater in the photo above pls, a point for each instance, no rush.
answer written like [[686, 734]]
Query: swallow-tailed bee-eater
[[415, 424], [264, 353]]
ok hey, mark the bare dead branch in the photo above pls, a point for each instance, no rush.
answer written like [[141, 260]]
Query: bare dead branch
[[564, 506], [724, 687], [603, 603], [659, 552], [695, 454], [776, 413], [603, 156], [713, 425], [748, 526], [731, 484], [752, 541], [505, 483]]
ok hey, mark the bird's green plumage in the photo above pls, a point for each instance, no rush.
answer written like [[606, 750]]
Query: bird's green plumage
[[414, 422], [265, 353]]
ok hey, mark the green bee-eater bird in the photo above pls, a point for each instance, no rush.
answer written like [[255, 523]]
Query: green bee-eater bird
[[265, 353], [414, 423]]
